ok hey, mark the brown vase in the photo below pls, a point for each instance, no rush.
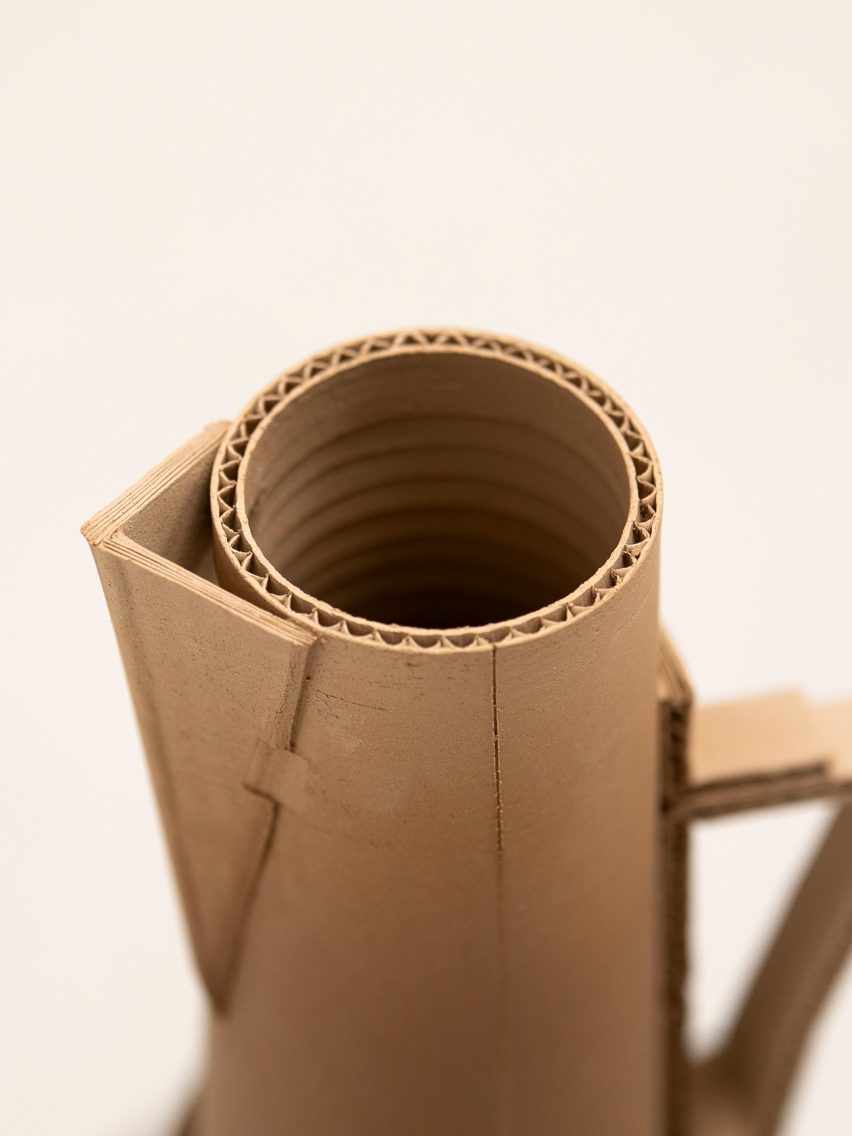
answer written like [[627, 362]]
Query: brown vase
[[421, 754]]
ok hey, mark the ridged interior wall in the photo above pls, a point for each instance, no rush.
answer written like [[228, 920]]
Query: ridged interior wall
[[438, 492], [436, 489]]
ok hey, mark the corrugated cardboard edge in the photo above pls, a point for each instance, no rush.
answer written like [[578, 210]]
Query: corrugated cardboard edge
[[765, 751], [675, 707]]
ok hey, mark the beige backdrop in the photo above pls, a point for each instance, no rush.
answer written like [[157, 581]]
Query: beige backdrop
[[194, 197]]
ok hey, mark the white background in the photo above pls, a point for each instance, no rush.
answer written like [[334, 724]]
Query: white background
[[196, 195]]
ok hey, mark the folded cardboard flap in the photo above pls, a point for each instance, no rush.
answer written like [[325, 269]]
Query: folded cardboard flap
[[768, 736], [192, 653], [768, 750]]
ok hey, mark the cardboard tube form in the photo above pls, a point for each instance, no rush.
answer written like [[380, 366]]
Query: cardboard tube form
[[405, 744], [426, 763], [454, 929]]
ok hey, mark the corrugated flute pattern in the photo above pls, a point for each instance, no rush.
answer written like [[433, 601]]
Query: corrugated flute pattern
[[281, 594]]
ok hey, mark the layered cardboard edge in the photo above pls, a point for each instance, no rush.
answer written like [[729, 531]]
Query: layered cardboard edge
[[674, 699], [111, 528], [143, 492], [765, 751]]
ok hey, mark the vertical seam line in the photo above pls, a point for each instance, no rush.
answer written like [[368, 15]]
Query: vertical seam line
[[498, 779], [501, 1095]]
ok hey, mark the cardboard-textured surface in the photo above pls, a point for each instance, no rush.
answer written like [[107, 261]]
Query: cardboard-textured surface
[[434, 871], [740, 1091], [191, 653]]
